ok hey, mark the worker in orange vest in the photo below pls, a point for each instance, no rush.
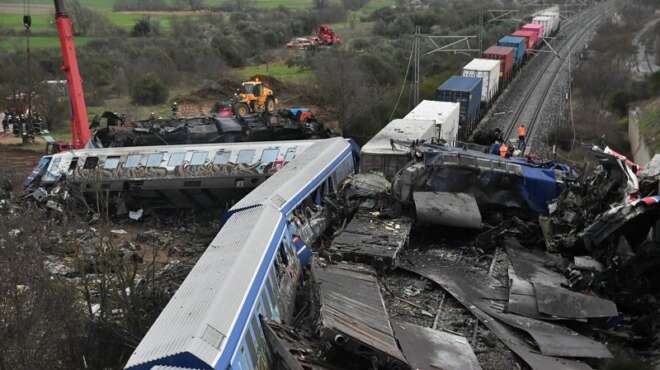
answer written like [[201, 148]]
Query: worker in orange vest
[[503, 150], [522, 133]]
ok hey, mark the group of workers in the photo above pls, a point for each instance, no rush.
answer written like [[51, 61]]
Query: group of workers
[[21, 125], [507, 149]]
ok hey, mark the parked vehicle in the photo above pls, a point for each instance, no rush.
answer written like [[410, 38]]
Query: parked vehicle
[[302, 43]]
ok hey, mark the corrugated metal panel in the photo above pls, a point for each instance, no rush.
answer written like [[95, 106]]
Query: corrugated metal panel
[[287, 182], [506, 56], [518, 43], [445, 114], [198, 319], [529, 36], [467, 92], [489, 72]]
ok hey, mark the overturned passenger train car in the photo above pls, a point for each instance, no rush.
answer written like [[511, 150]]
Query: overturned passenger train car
[[181, 176]]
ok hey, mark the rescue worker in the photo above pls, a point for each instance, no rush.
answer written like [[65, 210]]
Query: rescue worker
[[510, 148], [5, 123], [495, 148], [522, 133], [503, 150]]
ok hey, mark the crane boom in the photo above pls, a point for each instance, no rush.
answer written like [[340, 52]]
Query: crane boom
[[80, 133]]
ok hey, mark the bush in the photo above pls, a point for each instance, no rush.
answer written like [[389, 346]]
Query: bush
[[146, 27], [149, 90]]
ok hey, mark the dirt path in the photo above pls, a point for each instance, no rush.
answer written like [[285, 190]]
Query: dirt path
[[16, 163]]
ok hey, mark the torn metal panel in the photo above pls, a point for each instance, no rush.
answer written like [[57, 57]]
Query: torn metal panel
[[620, 220], [564, 303], [448, 209], [426, 348], [290, 350], [353, 313], [522, 298], [530, 265], [370, 239], [587, 263], [450, 280], [474, 286]]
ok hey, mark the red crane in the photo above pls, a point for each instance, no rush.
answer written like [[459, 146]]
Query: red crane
[[80, 133]]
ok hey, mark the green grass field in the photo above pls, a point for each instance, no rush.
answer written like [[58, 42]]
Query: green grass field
[[279, 70], [37, 42]]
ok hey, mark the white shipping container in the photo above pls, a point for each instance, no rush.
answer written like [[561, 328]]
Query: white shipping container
[[445, 115], [547, 23], [489, 72], [386, 152], [552, 13]]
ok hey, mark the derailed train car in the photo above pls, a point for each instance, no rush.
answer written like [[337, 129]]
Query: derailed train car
[[181, 176], [251, 269]]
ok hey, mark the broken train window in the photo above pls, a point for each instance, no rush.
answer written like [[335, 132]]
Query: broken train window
[[245, 156], [269, 155], [176, 159], [133, 160], [154, 160], [290, 154], [199, 158], [111, 163], [222, 157], [91, 163]]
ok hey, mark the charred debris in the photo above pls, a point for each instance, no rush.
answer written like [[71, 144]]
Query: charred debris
[[423, 276], [114, 130]]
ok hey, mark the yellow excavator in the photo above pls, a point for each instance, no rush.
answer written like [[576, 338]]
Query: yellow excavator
[[253, 97]]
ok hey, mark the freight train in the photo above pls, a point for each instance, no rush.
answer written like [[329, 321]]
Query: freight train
[[484, 78]]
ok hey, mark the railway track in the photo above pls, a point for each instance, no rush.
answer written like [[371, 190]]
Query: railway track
[[529, 108]]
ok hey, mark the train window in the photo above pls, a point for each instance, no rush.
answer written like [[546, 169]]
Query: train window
[[133, 160], [154, 160], [269, 155], [111, 163], [199, 158], [271, 292], [246, 156], [176, 159], [290, 154], [74, 164], [91, 163], [252, 350], [284, 258], [221, 157]]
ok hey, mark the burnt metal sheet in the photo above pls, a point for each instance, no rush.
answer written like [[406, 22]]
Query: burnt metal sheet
[[564, 303], [353, 313], [552, 340], [369, 239], [448, 209], [426, 348], [291, 350], [522, 298], [508, 336], [530, 265]]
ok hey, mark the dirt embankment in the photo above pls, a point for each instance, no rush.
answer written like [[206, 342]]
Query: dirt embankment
[[16, 163]]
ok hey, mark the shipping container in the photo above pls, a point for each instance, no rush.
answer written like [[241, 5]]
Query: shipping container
[[386, 152], [489, 71], [506, 56], [530, 38], [554, 14], [546, 22], [467, 92], [536, 28], [445, 115], [517, 43]]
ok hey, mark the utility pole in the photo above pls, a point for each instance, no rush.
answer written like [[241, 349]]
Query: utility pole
[[27, 23], [416, 65]]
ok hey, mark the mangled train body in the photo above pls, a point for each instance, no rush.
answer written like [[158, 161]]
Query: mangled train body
[[187, 176], [251, 269]]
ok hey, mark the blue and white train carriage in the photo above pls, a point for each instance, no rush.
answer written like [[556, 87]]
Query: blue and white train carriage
[[251, 268]]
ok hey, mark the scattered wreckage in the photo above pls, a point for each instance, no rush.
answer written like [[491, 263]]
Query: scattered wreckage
[[538, 303], [286, 124]]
